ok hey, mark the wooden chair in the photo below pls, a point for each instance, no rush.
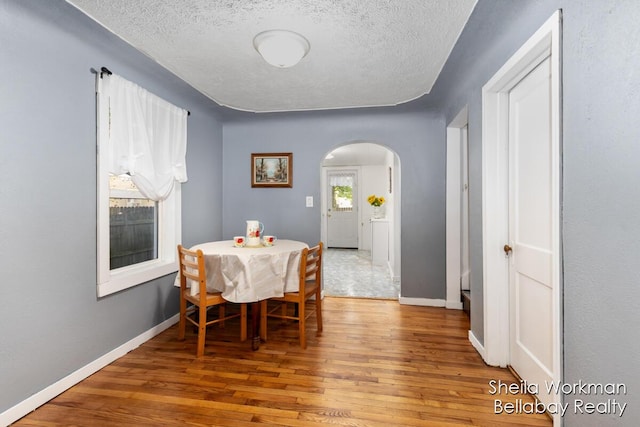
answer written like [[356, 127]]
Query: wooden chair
[[192, 268], [310, 286]]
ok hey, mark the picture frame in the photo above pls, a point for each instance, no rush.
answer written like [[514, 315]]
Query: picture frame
[[272, 170]]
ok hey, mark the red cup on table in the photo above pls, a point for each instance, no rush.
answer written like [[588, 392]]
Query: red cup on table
[[239, 241], [269, 240]]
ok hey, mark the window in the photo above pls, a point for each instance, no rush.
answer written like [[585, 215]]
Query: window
[[342, 196], [341, 184], [133, 224], [139, 223]]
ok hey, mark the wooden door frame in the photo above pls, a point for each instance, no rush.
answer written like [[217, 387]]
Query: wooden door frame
[[495, 192]]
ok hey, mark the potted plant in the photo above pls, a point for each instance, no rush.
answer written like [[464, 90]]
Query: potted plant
[[377, 203]]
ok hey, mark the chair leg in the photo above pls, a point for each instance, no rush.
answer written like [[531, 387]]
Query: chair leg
[[283, 313], [243, 322], [183, 321], [202, 330], [263, 320], [301, 323], [221, 314], [319, 310]]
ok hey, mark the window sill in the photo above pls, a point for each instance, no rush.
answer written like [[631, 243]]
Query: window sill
[[128, 277]]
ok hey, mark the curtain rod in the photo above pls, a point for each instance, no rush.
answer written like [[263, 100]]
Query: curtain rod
[[105, 70]]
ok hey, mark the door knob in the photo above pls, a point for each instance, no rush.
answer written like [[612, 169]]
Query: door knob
[[507, 249]]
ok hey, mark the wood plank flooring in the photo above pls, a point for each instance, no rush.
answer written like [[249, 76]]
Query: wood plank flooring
[[377, 363]]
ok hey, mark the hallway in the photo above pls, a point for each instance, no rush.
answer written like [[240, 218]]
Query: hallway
[[349, 273]]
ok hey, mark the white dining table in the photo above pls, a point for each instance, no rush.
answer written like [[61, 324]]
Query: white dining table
[[251, 274]]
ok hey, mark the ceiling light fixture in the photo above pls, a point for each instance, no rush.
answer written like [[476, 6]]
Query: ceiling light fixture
[[281, 48]]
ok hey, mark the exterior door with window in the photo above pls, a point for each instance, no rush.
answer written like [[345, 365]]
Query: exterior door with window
[[342, 208]]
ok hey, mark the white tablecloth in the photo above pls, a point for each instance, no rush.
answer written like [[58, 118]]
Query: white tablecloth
[[251, 274]]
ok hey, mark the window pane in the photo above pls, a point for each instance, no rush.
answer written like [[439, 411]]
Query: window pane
[[133, 224], [342, 198]]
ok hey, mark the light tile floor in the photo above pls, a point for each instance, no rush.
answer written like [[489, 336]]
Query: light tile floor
[[349, 273]]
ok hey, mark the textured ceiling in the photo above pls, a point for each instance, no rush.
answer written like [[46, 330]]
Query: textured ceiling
[[363, 52]]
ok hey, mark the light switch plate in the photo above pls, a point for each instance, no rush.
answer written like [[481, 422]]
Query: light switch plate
[[309, 201]]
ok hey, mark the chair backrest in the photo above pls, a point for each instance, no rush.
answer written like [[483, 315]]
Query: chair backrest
[[311, 266], [192, 268]]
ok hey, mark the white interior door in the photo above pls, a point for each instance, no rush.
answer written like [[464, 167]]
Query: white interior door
[[531, 222], [342, 208]]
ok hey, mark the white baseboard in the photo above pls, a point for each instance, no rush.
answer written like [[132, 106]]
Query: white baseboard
[[427, 302], [40, 398], [422, 301], [454, 305], [476, 344]]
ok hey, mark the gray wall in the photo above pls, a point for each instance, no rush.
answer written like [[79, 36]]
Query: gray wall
[[51, 320], [601, 240], [602, 198], [418, 140], [480, 52], [47, 195]]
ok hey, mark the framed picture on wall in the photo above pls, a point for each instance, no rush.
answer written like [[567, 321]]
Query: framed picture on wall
[[272, 170]]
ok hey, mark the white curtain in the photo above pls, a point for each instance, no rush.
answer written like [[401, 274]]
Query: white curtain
[[337, 179], [148, 138]]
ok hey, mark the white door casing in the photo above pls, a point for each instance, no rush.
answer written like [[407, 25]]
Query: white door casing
[[455, 137], [465, 268], [543, 46]]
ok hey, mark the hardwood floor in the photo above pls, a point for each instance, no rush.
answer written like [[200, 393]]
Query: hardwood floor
[[377, 363]]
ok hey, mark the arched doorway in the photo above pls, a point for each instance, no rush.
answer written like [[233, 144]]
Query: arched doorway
[[362, 250]]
